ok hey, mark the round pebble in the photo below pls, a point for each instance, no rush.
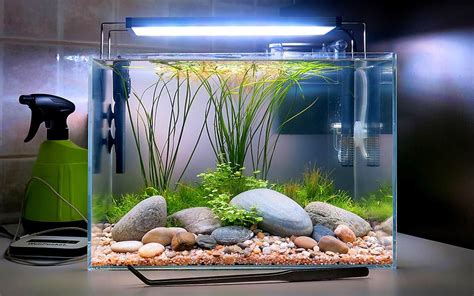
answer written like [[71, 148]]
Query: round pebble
[[305, 242], [126, 246], [267, 250], [344, 233], [151, 250]]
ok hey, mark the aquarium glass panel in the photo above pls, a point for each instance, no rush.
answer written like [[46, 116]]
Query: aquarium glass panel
[[242, 161]]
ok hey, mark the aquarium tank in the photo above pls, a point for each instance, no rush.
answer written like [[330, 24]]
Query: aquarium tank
[[242, 160]]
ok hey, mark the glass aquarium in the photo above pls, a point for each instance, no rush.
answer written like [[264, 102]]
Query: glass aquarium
[[242, 160]]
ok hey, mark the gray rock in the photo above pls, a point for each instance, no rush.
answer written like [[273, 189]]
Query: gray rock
[[387, 226], [281, 215], [206, 241], [231, 235], [320, 230], [146, 215], [331, 216], [200, 220]]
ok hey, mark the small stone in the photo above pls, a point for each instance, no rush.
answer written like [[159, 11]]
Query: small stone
[[352, 252], [275, 248], [344, 233], [329, 243], [151, 250], [265, 244], [256, 250], [291, 245], [260, 235], [248, 242], [161, 235], [233, 249], [305, 242], [206, 241], [185, 253], [316, 248], [387, 241], [247, 252], [387, 226], [283, 245], [126, 246], [319, 231], [376, 251], [305, 254], [293, 237], [183, 241], [170, 254], [267, 250], [230, 235]]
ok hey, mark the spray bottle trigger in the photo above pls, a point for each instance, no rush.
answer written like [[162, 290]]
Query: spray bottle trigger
[[36, 120]]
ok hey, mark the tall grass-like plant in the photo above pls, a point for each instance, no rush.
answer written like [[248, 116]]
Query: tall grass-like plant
[[158, 157], [245, 98]]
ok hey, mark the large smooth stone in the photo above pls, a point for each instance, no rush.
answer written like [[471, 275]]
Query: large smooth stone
[[161, 235], [282, 216], [200, 220], [146, 215], [126, 246], [331, 216], [320, 230], [231, 235]]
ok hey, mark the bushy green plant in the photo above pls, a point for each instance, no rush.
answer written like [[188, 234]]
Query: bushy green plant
[[231, 215], [224, 183], [229, 179]]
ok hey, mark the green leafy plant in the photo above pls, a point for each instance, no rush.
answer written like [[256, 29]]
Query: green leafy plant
[[231, 215], [221, 185]]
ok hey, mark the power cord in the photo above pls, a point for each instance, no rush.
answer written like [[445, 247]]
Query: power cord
[[24, 261]]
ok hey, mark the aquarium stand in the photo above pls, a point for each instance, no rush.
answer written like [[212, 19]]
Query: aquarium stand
[[295, 275]]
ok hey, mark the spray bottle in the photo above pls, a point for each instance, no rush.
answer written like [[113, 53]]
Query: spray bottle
[[56, 195]]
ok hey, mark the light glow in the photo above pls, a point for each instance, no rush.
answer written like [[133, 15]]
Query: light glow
[[230, 31]]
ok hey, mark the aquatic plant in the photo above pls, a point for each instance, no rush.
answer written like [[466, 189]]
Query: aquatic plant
[[224, 183], [122, 204], [246, 105], [158, 160], [316, 185], [231, 215], [184, 196]]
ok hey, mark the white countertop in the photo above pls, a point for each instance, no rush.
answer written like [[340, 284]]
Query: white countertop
[[424, 268]]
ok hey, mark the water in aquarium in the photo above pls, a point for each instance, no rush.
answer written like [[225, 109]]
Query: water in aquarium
[[242, 161]]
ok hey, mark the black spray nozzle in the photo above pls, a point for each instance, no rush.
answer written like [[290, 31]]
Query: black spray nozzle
[[52, 110]]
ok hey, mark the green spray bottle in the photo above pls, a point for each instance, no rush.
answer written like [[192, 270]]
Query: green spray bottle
[[56, 195]]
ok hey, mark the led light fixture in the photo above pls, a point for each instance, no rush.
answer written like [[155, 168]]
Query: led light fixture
[[225, 27]]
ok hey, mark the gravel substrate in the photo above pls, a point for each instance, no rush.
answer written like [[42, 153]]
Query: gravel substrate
[[266, 250]]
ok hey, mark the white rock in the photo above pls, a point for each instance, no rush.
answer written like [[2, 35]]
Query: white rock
[[126, 246]]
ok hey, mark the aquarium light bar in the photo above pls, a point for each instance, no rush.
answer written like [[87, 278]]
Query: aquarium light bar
[[189, 27], [233, 31]]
